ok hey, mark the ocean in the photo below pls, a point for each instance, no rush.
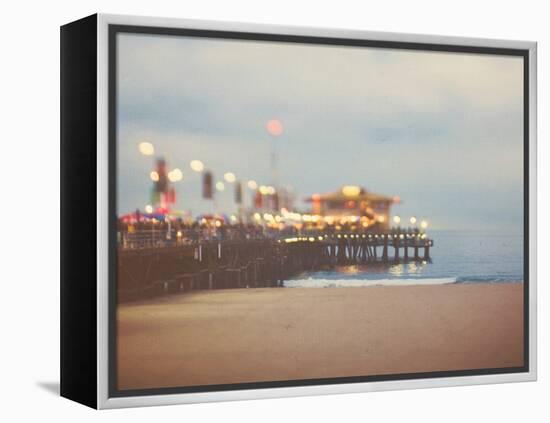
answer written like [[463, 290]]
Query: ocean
[[457, 257]]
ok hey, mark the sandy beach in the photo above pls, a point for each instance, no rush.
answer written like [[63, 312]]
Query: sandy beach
[[251, 335]]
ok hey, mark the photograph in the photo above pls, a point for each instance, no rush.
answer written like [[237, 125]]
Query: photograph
[[293, 211]]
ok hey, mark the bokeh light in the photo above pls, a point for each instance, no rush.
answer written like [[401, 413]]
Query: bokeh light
[[274, 127], [351, 190], [146, 148], [229, 177], [175, 175], [197, 165]]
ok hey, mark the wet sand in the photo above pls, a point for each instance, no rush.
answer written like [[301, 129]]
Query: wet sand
[[251, 335]]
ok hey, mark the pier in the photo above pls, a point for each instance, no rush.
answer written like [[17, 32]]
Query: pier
[[146, 270]]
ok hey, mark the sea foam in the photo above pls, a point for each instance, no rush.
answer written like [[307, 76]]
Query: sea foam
[[357, 283]]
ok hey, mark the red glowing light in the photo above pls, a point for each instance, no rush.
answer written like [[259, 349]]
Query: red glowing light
[[274, 127]]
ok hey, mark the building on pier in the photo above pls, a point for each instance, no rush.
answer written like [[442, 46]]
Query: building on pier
[[353, 205]]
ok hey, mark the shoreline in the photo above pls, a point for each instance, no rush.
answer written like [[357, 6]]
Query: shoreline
[[316, 283], [263, 334]]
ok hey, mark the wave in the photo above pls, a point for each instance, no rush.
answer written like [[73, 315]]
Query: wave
[[356, 283], [489, 279]]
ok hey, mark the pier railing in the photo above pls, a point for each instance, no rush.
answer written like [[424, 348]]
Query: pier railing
[[264, 261], [160, 238]]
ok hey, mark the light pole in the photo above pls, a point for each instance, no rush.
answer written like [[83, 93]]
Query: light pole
[[275, 129], [397, 220], [424, 225], [197, 166]]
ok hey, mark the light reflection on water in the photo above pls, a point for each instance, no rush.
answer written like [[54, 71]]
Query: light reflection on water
[[463, 256]]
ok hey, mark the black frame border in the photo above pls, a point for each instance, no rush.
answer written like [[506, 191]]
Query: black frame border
[[78, 225], [114, 29]]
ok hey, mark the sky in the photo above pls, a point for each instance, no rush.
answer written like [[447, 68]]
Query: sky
[[443, 131]]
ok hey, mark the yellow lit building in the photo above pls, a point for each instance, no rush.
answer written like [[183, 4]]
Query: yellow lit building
[[353, 205]]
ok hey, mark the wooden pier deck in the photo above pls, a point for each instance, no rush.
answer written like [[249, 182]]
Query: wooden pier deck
[[147, 272]]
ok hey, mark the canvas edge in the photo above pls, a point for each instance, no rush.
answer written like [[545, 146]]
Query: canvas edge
[[77, 306], [103, 400]]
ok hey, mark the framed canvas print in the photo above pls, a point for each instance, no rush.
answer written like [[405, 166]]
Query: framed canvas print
[[254, 211]]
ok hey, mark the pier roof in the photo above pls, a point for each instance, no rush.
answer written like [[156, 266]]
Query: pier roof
[[350, 192]]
